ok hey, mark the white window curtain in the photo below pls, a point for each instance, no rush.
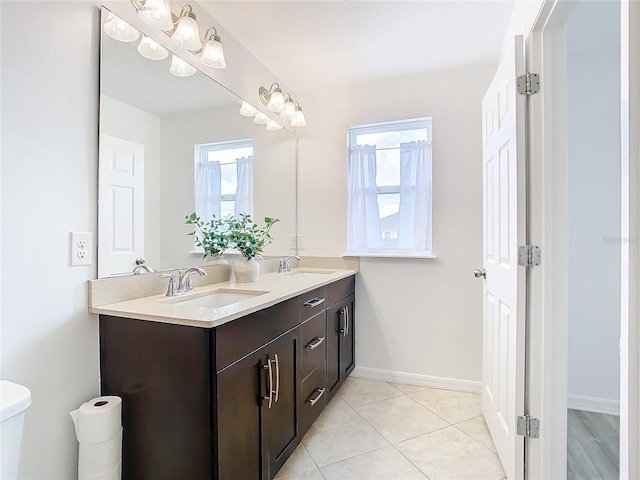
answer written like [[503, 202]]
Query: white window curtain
[[363, 219], [414, 231], [244, 193], [208, 185]]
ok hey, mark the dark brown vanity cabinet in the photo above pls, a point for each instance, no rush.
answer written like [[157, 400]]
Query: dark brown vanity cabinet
[[230, 402]]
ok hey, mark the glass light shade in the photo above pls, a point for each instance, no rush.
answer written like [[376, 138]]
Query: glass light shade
[[120, 30], [276, 101], [187, 34], [299, 121], [152, 50], [247, 110], [261, 118], [273, 125], [213, 54], [289, 110], [180, 68], [157, 13]]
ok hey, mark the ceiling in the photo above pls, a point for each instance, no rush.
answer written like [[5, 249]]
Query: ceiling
[[315, 44]]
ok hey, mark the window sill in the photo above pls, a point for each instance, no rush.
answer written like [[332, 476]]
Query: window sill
[[389, 255]]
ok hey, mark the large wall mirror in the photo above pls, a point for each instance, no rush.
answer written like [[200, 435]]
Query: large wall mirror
[[165, 140]]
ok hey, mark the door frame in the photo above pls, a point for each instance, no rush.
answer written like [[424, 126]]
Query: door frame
[[548, 328]]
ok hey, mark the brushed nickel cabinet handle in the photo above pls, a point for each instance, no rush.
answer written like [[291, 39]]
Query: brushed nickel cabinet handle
[[315, 343], [268, 367], [313, 401], [277, 391], [314, 302], [346, 321]]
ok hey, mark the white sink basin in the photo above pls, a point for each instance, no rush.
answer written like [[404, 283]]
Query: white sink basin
[[215, 298], [297, 273]]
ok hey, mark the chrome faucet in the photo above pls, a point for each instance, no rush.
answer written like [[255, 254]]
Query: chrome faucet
[[141, 267], [184, 284], [283, 263]]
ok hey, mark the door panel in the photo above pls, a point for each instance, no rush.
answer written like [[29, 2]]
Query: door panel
[[240, 387], [281, 429], [504, 220], [121, 205], [348, 336]]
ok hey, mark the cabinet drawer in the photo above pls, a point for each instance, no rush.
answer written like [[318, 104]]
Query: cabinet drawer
[[312, 303], [313, 343], [336, 291], [239, 337], [313, 397]]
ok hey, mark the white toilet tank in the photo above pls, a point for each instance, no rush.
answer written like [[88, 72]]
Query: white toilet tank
[[14, 400]]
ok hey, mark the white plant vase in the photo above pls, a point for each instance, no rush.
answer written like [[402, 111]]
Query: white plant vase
[[246, 270]]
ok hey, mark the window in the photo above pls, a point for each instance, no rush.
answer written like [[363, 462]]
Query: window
[[389, 188], [224, 179]]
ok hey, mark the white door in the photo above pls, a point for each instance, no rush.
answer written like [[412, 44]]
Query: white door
[[504, 219], [121, 205]]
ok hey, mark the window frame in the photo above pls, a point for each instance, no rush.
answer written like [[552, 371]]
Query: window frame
[[384, 127]]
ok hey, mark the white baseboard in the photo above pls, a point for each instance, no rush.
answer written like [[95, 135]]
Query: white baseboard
[[593, 404], [416, 379]]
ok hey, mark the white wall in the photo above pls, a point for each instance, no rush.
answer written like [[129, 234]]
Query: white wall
[[49, 188], [593, 75], [121, 120], [414, 316]]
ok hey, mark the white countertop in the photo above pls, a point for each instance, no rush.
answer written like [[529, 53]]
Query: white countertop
[[279, 287]]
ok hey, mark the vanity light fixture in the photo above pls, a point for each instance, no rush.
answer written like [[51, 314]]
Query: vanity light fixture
[[247, 110], [261, 118], [212, 52], [120, 30], [156, 13], [272, 98], [180, 68], [187, 32], [151, 49], [273, 125], [299, 121], [289, 112]]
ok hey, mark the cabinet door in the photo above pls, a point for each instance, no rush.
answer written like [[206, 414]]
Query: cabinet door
[[241, 387], [281, 428], [334, 334], [348, 336]]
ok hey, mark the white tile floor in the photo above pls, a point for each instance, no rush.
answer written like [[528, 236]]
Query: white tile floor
[[380, 430]]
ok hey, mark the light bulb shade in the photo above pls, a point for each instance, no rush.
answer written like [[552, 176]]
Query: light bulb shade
[[157, 13], [261, 118], [247, 110], [187, 34], [180, 68], [299, 121], [289, 110], [273, 125], [276, 101], [152, 50], [120, 30], [213, 54]]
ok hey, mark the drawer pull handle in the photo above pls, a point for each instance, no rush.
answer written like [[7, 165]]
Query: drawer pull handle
[[315, 343], [270, 388], [313, 401], [314, 302]]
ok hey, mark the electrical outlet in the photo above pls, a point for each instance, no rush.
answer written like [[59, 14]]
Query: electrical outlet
[[301, 242], [292, 242], [296, 242], [81, 248]]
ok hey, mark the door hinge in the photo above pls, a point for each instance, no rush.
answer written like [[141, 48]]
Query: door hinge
[[528, 426], [529, 256], [528, 84]]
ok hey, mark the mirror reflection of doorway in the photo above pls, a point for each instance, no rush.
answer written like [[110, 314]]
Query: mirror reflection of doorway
[[592, 36]]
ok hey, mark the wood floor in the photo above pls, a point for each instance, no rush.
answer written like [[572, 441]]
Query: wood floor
[[593, 446]]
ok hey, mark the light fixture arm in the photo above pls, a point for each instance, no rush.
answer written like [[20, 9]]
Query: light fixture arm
[[206, 36], [265, 94]]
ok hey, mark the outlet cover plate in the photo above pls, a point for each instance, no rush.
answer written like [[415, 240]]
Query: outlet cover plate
[[81, 248]]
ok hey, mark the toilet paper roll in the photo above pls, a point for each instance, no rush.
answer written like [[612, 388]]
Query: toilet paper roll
[[100, 460], [98, 420]]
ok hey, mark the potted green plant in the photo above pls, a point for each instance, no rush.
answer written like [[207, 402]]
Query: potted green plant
[[211, 236], [250, 240]]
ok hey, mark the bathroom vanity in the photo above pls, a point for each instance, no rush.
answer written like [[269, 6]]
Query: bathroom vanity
[[226, 392]]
